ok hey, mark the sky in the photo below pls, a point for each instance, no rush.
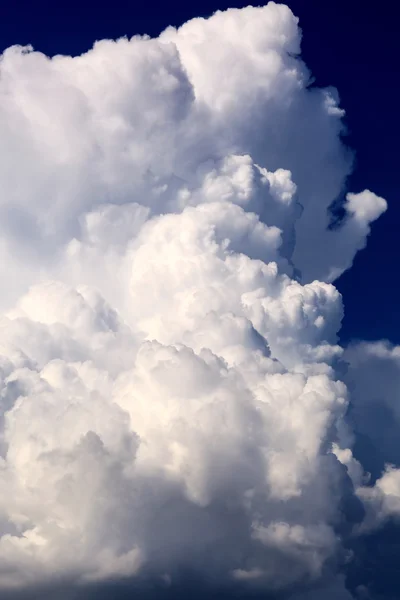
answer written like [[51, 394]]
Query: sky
[[199, 350]]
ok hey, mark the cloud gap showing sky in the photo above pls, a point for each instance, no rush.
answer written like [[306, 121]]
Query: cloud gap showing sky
[[175, 406]]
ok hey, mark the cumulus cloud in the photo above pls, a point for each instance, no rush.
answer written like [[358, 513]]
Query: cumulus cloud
[[170, 391], [374, 380]]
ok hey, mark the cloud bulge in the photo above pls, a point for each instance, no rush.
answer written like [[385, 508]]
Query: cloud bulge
[[172, 397]]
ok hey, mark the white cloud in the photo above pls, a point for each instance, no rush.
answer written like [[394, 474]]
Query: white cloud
[[169, 326], [374, 380]]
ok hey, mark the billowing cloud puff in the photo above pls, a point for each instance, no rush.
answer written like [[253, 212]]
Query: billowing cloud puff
[[374, 380], [170, 393]]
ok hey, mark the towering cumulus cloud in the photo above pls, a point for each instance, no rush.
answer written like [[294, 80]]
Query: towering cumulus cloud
[[172, 404]]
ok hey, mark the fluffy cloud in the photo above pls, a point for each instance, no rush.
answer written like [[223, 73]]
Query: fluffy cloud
[[374, 379], [171, 399]]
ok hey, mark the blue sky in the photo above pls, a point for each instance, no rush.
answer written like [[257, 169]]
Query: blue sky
[[349, 44]]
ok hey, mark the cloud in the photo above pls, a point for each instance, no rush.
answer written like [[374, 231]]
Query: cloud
[[374, 378], [171, 400]]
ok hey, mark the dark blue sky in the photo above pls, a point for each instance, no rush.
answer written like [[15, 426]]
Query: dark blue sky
[[347, 43]]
